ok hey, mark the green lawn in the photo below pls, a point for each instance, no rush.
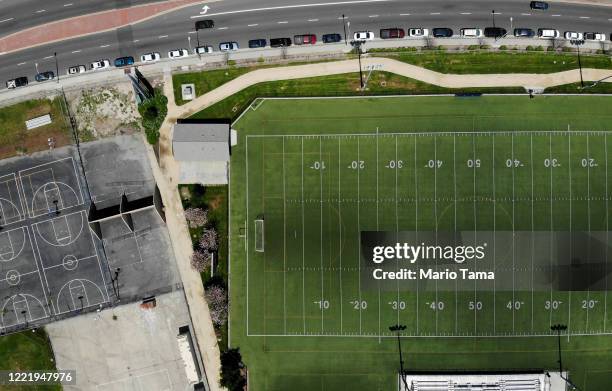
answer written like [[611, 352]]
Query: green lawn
[[28, 350], [17, 140], [499, 62], [299, 311]]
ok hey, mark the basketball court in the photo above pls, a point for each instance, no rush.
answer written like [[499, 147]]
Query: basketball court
[[49, 264]]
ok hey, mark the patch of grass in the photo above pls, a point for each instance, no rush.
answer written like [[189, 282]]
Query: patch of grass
[[15, 139], [205, 81], [500, 62], [28, 350], [380, 83], [574, 88], [215, 200]]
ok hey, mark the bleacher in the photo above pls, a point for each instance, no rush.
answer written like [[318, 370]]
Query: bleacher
[[538, 381]]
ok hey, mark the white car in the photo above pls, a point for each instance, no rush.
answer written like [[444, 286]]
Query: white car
[[150, 57], [100, 64], [573, 35], [418, 32], [178, 53], [595, 37], [548, 33], [363, 36], [202, 49], [471, 32], [228, 46], [77, 69]]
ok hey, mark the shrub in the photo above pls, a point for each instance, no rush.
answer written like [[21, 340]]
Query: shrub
[[550, 49], [216, 296], [473, 47], [232, 374], [567, 49], [196, 217], [503, 47], [208, 241], [153, 112], [485, 46], [200, 260], [539, 49], [529, 48]]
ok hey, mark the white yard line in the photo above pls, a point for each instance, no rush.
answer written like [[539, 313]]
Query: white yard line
[[416, 224], [303, 245], [551, 227], [475, 227], [588, 157], [532, 163], [607, 236], [494, 234], [513, 243], [284, 244], [321, 230], [569, 167], [358, 229], [455, 221], [340, 233]]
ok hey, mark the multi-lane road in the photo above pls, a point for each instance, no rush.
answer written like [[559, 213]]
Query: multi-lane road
[[241, 20]]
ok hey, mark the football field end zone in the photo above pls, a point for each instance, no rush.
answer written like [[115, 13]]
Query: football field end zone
[[436, 134]]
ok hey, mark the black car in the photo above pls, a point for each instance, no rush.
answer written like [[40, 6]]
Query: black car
[[44, 76], [538, 5], [524, 33], [442, 32], [494, 32], [331, 38], [17, 82], [280, 42], [204, 24], [257, 43]]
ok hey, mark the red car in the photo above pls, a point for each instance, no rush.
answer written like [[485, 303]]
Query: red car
[[306, 39], [392, 33]]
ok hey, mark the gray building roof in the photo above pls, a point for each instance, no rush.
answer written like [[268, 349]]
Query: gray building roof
[[201, 142]]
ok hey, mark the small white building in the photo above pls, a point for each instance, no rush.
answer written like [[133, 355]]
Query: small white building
[[203, 150]]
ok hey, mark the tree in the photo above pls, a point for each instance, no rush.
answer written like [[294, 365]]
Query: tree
[[216, 296], [196, 217], [200, 260], [208, 241], [153, 112], [232, 376]]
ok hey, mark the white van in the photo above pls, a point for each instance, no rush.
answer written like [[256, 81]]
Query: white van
[[548, 33], [471, 32]]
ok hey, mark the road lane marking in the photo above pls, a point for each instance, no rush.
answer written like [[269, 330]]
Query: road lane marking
[[136, 40], [21, 63], [6, 20], [104, 46], [76, 51], [372, 16], [585, 17], [283, 22], [292, 6], [222, 28], [496, 13], [313, 20], [404, 14], [68, 5], [525, 14], [48, 57], [555, 15], [191, 32], [434, 13], [162, 36], [40, 11], [253, 25], [466, 13]]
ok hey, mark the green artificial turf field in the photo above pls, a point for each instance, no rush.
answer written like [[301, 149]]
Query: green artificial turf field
[[320, 171]]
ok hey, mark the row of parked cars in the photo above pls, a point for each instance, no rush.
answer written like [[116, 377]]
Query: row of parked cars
[[476, 32]]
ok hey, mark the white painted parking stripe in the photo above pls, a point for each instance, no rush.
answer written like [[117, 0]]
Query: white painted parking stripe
[[404, 14], [222, 28], [313, 20], [372, 16], [21, 63], [191, 32], [48, 57], [253, 25], [434, 13], [585, 17], [68, 5], [40, 11], [290, 6], [76, 51], [283, 22], [466, 13], [6, 20], [162, 36], [104, 46]]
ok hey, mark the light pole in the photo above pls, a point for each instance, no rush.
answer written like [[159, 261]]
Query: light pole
[[397, 328], [559, 328], [344, 27], [511, 25], [36, 66], [189, 40], [56, 66], [357, 45], [493, 15], [579, 42]]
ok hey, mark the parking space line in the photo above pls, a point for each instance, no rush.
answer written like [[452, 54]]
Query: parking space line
[[253, 25]]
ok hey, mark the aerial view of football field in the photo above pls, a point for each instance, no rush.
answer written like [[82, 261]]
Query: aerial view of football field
[[309, 176]]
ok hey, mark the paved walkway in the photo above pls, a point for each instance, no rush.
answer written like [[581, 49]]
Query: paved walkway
[[88, 24], [529, 80], [166, 175]]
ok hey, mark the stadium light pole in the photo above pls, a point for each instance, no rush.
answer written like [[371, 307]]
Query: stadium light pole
[[559, 328], [579, 42], [357, 45], [398, 328]]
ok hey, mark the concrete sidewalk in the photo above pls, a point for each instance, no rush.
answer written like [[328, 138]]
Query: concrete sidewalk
[[88, 24]]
